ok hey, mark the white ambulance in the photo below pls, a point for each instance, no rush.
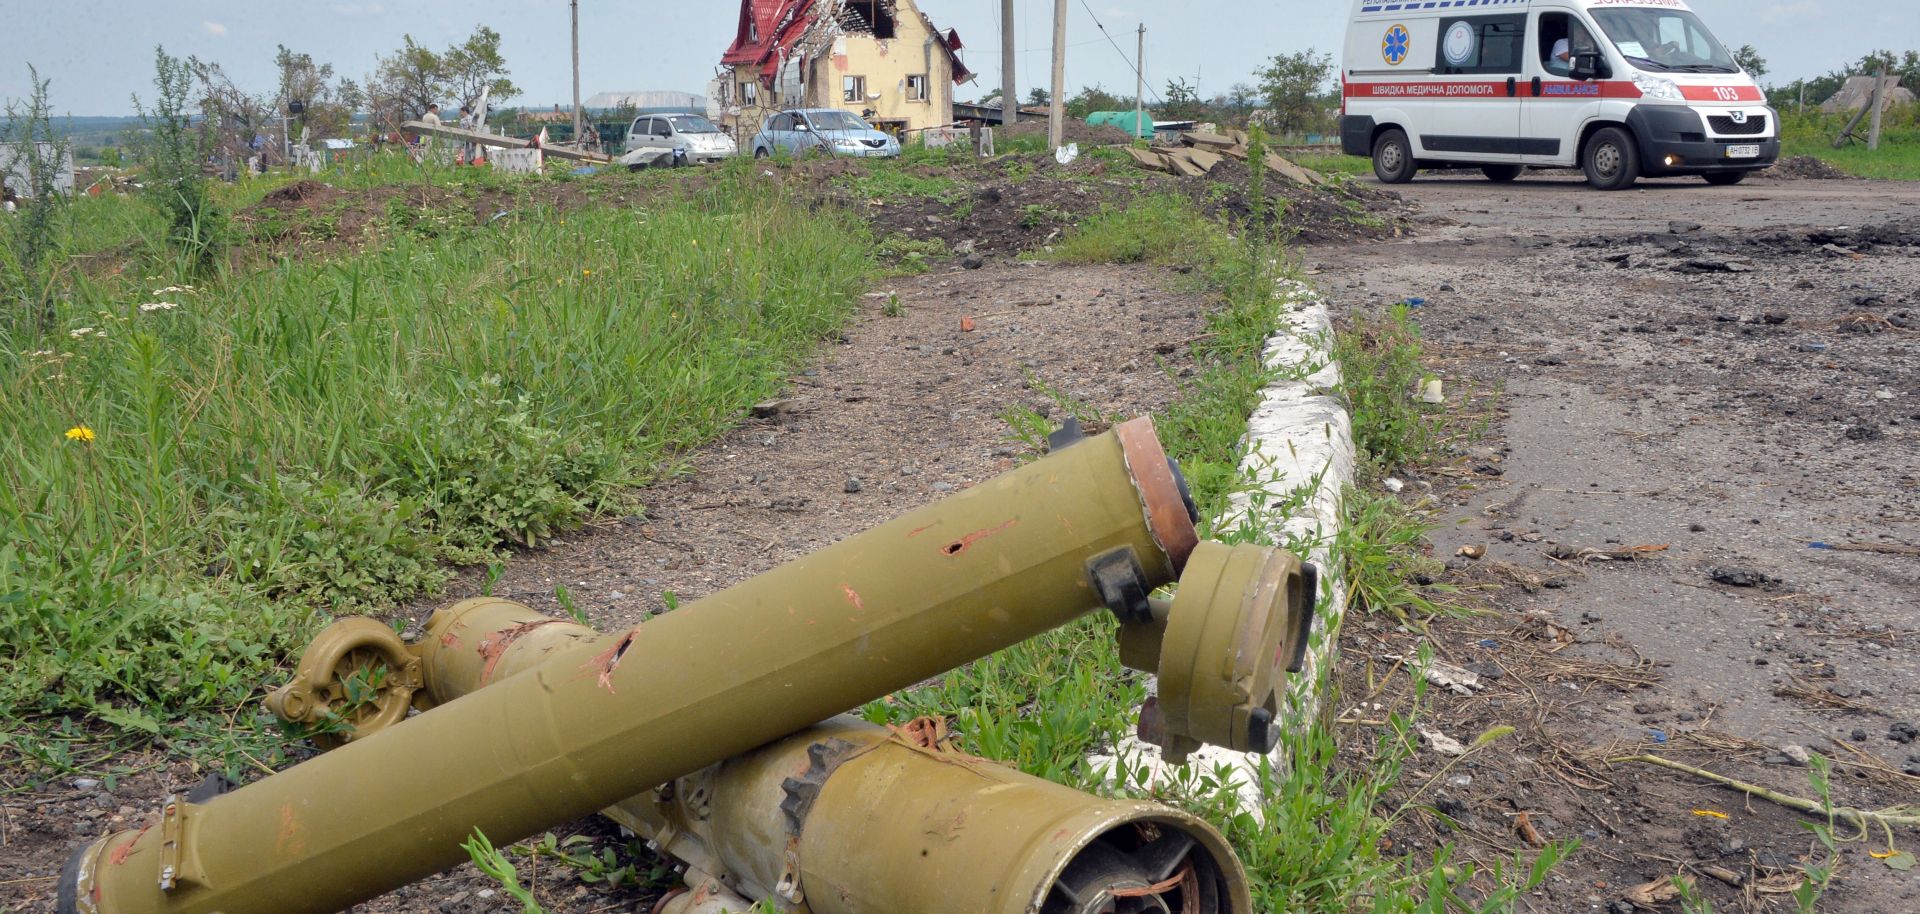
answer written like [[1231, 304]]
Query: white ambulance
[[1619, 88]]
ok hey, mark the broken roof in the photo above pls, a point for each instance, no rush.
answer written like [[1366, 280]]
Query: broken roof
[[770, 31]]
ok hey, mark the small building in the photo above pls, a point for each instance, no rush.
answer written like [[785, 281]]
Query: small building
[[13, 170], [1857, 93], [650, 101], [881, 59]]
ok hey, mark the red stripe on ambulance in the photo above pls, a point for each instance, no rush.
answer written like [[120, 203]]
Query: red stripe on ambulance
[[1549, 91]]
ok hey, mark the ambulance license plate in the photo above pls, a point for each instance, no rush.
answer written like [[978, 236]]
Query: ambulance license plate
[[1743, 152]]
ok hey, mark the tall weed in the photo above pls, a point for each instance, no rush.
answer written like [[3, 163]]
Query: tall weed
[[172, 153], [195, 476], [32, 236]]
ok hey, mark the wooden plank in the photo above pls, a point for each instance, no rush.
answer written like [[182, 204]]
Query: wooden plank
[[1204, 159], [1196, 138], [1148, 159], [1293, 172], [501, 142], [1183, 164]]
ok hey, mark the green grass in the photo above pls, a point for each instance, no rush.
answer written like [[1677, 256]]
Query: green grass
[[1381, 374], [1315, 842], [1898, 156], [883, 180], [1332, 163], [282, 443]]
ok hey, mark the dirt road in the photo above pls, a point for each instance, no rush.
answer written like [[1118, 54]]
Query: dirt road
[[1725, 376]]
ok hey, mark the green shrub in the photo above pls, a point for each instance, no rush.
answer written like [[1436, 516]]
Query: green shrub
[[173, 154], [487, 472], [1381, 377], [328, 544]]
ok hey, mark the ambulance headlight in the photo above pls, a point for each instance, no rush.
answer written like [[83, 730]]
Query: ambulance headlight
[[1657, 87]]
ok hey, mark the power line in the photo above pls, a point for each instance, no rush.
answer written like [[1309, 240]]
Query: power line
[[1135, 65]]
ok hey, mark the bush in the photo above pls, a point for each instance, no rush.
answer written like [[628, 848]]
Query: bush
[[1380, 367], [172, 155], [329, 545], [485, 470]]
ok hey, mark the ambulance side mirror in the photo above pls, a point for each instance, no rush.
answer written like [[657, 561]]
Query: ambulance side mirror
[[1587, 66]]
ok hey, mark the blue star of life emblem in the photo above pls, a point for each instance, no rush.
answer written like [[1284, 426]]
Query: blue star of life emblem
[[1394, 47]]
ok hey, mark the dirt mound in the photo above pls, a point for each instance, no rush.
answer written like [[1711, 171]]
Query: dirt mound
[[1076, 131], [300, 192], [1019, 203], [1310, 215], [1805, 168]]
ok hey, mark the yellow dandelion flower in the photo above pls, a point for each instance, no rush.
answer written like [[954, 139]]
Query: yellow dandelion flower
[[586, 272], [80, 433]]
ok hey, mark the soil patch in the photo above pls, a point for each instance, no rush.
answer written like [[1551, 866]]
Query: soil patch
[[1017, 204], [1805, 168], [1691, 419], [1074, 130], [1004, 206]]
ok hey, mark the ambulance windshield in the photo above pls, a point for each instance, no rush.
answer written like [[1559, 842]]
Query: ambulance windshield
[[1665, 39]]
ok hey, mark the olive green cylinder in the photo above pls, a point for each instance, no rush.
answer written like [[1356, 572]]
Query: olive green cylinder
[[602, 720], [848, 818]]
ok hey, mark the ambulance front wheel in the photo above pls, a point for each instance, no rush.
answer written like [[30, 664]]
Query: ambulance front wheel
[[1393, 157], [1611, 160]]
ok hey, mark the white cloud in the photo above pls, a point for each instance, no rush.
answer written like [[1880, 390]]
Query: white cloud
[[215, 29]]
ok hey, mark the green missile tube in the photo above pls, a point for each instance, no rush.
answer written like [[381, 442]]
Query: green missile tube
[[1099, 523]]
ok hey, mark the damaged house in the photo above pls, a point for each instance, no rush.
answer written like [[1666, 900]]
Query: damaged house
[[881, 59]]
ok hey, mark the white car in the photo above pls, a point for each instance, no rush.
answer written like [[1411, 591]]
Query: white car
[[690, 138], [1616, 88]]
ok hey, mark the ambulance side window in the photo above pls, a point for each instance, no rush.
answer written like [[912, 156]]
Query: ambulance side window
[[1482, 44]]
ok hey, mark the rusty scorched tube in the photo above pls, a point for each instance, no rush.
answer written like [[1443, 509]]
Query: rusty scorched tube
[[603, 720], [849, 818]]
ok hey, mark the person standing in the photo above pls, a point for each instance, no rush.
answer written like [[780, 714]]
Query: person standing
[[431, 119], [470, 123]]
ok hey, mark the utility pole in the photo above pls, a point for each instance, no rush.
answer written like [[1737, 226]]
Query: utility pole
[[1009, 96], [1140, 81], [579, 128], [1873, 132], [1057, 115]]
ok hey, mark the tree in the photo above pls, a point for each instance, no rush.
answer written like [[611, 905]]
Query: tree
[[326, 113], [475, 66], [1294, 87], [403, 85], [233, 123], [1038, 97], [1750, 60], [1906, 66], [1182, 102], [1093, 98]]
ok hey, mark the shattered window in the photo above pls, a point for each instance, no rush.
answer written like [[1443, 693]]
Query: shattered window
[[874, 17], [916, 88], [854, 89], [748, 93]]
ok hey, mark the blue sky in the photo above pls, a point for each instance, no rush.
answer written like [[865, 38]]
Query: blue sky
[[99, 52]]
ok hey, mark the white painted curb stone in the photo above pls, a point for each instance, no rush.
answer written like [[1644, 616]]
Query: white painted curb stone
[[1301, 452]]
